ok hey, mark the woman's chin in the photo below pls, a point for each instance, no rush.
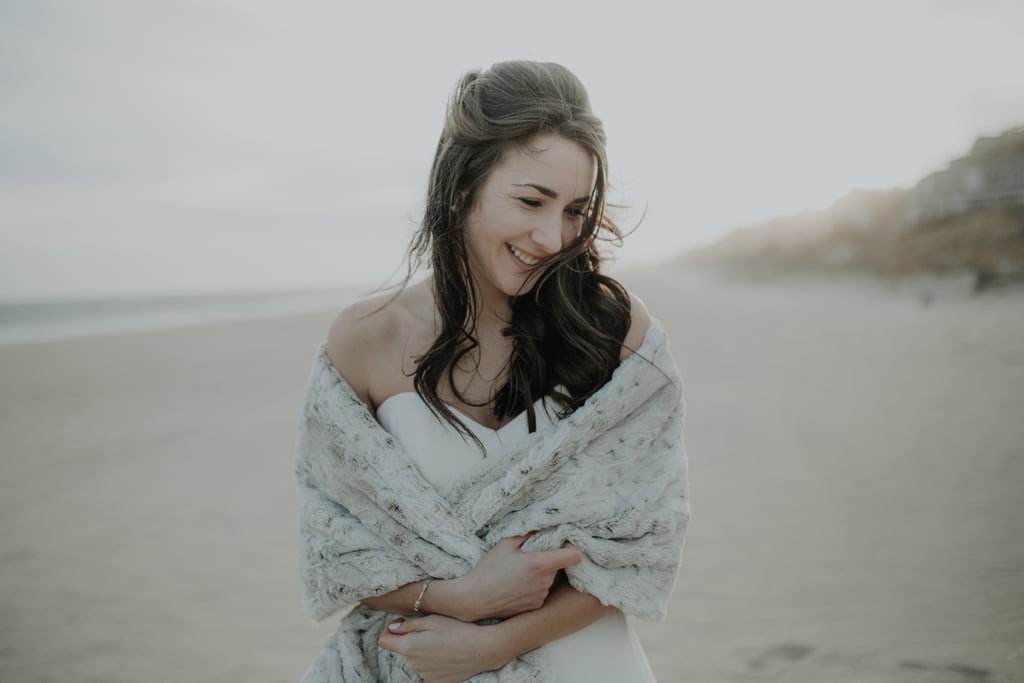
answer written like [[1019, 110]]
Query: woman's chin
[[525, 290]]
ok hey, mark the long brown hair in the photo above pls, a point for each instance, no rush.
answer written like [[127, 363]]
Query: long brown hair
[[567, 331]]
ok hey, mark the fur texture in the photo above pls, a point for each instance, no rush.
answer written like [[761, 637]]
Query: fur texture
[[610, 478]]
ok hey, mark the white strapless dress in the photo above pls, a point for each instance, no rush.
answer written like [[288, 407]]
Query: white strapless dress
[[608, 650]]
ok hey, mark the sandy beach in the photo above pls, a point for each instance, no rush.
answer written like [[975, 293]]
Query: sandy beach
[[856, 466]]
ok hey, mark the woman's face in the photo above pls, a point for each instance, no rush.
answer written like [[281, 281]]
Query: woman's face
[[529, 207]]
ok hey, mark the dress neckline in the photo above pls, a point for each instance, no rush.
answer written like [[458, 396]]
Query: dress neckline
[[472, 422]]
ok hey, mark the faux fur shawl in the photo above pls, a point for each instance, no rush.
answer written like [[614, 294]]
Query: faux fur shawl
[[610, 478]]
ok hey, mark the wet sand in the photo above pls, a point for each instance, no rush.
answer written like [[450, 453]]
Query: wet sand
[[857, 462]]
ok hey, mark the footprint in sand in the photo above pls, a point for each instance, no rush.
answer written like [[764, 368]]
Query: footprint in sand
[[951, 673], [778, 659]]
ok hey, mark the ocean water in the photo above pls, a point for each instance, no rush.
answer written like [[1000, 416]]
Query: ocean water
[[27, 322]]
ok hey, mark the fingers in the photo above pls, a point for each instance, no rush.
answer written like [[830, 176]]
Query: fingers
[[566, 556], [389, 638], [402, 625], [520, 540], [397, 626]]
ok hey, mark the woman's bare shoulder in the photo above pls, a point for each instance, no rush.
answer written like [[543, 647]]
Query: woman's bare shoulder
[[639, 323], [357, 328], [365, 340], [355, 336]]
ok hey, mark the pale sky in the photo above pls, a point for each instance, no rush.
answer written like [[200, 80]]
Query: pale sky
[[196, 145]]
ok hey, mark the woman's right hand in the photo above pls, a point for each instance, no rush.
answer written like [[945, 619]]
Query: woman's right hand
[[508, 581]]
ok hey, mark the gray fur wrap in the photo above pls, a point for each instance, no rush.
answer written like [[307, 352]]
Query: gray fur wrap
[[610, 478]]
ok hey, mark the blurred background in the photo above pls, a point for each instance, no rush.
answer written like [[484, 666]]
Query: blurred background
[[830, 199], [166, 149]]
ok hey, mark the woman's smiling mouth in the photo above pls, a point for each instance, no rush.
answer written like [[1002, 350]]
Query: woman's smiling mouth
[[523, 257]]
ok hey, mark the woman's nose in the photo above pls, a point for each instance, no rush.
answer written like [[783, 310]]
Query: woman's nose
[[547, 234]]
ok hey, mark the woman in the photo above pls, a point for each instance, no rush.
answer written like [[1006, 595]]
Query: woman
[[494, 381]]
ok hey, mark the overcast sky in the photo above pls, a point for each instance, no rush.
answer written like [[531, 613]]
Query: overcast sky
[[177, 145]]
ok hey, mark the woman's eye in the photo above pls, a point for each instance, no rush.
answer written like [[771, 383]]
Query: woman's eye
[[576, 211], [532, 203]]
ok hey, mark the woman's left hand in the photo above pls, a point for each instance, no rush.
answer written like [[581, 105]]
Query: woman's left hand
[[443, 650]]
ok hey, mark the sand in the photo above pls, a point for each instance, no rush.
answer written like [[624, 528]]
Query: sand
[[857, 468]]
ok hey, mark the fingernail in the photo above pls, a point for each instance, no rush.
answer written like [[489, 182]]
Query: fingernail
[[394, 625]]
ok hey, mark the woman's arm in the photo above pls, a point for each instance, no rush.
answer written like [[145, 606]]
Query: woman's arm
[[444, 650], [506, 582], [639, 323], [566, 611]]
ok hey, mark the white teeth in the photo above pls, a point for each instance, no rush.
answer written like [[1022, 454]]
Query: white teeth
[[528, 260]]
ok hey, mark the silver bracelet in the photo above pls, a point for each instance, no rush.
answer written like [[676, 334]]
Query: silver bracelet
[[416, 605]]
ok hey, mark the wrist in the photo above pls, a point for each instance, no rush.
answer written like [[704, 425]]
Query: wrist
[[468, 600], [417, 606], [452, 598], [496, 647]]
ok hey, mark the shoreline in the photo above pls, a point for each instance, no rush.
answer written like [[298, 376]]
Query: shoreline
[[57, 320]]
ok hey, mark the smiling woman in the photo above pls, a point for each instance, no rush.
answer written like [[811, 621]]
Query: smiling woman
[[530, 208], [491, 461]]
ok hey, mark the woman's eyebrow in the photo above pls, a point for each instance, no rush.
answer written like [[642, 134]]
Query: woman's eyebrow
[[547, 191]]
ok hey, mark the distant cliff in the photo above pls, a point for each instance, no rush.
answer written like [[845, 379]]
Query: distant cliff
[[967, 218]]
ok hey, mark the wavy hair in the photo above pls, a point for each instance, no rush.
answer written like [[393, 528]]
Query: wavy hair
[[567, 331]]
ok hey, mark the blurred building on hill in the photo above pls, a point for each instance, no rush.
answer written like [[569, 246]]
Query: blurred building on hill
[[992, 174], [966, 219]]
